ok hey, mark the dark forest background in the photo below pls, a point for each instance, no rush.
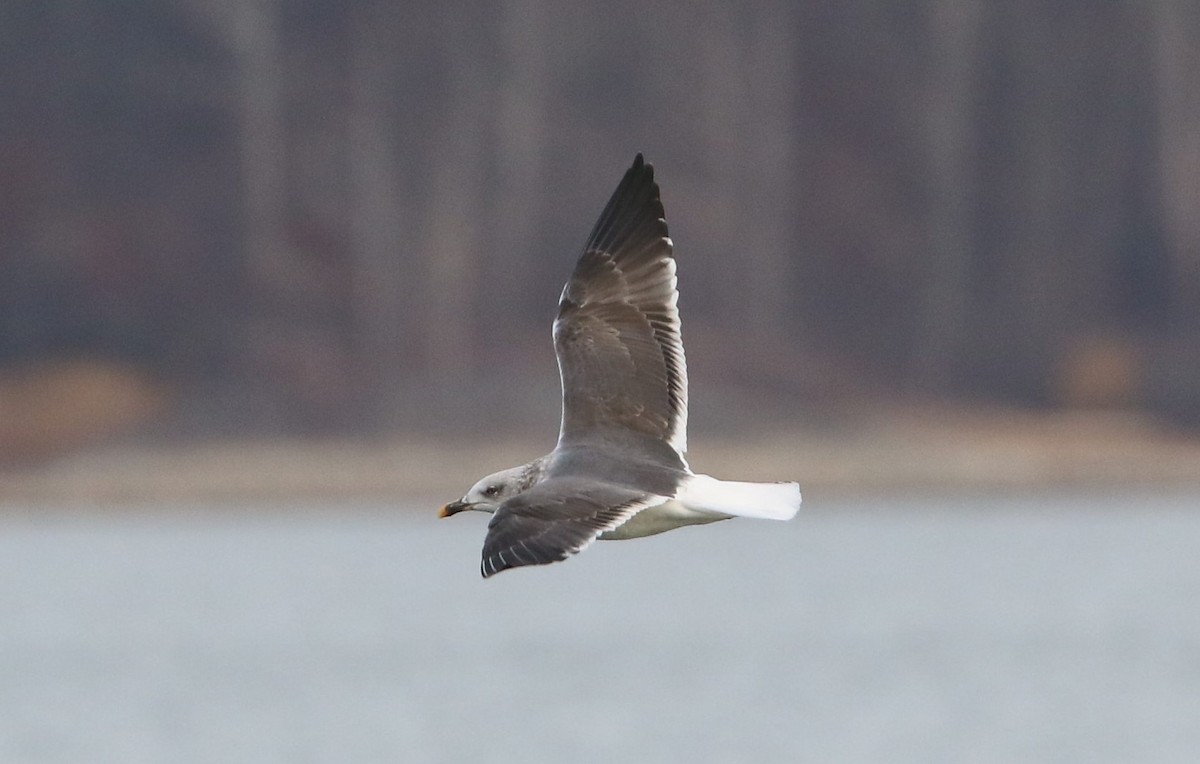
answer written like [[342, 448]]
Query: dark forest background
[[310, 216]]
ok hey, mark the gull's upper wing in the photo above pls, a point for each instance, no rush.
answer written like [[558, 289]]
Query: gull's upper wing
[[555, 519], [620, 354]]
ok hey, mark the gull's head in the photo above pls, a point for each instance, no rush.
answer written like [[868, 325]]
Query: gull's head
[[490, 492]]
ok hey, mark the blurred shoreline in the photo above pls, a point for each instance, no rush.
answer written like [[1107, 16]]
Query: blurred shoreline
[[898, 451]]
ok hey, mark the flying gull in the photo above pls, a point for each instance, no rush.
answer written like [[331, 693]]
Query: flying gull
[[618, 471]]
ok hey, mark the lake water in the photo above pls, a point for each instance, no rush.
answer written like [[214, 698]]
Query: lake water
[[1051, 629]]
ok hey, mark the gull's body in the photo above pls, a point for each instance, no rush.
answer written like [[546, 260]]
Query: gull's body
[[618, 471]]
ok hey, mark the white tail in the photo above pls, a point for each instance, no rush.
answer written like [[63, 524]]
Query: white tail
[[769, 501]]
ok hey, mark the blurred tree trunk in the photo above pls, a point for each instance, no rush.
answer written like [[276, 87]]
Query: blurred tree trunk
[[749, 138], [1024, 299], [520, 155], [769, 74], [1175, 371], [381, 278], [1177, 35], [455, 209], [265, 369], [943, 305], [255, 34], [722, 103], [1040, 301]]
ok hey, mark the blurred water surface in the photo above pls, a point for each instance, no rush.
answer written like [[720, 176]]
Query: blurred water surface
[[1053, 628]]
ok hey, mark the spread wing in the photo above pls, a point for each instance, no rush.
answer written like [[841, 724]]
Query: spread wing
[[620, 354], [555, 519]]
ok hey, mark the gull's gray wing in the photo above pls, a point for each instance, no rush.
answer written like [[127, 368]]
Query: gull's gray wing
[[555, 519], [620, 354]]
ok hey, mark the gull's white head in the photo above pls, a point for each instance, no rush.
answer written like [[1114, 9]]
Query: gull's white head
[[491, 491]]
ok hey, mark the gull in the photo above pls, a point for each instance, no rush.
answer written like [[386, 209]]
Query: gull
[[618, 470]]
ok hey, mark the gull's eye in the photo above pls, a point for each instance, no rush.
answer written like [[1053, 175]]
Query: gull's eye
[[491, 490]]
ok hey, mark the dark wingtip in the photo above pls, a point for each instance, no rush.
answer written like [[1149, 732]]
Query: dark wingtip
[[639, 163], [498, 562], [634, 200], [483, 568]]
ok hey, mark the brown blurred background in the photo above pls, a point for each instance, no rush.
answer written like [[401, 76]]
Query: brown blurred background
[[268, 247]]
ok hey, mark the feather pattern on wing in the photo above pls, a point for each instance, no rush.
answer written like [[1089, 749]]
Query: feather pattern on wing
[[617, 335], [555, 519]]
